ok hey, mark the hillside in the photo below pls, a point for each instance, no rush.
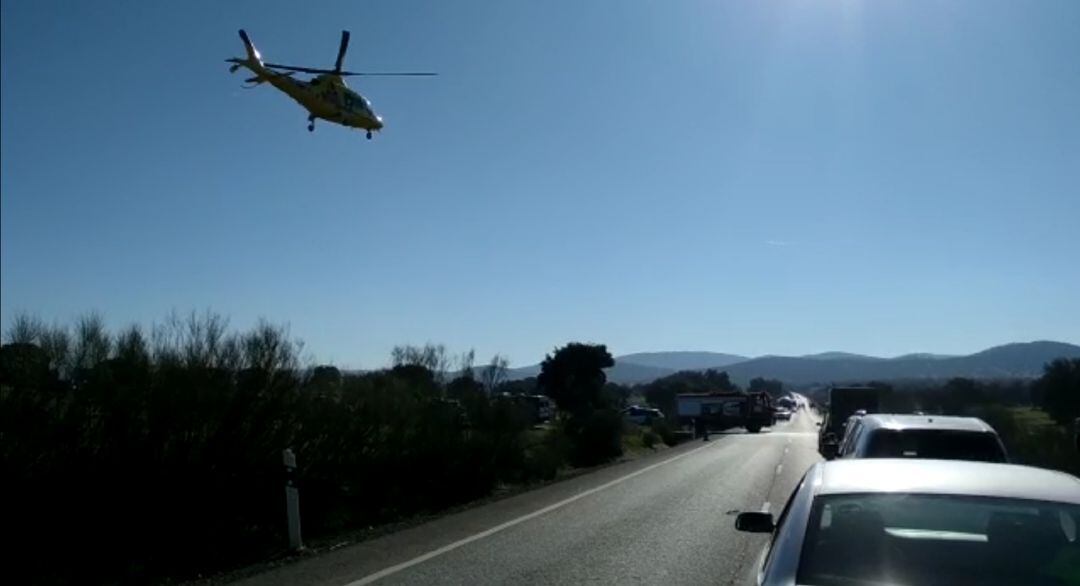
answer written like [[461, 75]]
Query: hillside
[[1009, 360], [623, 373], [681, 360], [839, 356]]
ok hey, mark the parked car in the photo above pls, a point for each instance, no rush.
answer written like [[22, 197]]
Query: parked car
[[928, 522], [923, 436], [642, 415]]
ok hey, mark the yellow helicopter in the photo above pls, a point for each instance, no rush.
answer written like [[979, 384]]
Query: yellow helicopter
[[324, 96]]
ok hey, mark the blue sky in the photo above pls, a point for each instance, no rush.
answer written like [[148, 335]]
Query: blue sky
[[757, 177]]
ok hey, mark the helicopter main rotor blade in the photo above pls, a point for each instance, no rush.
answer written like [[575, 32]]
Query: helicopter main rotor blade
[[298, 69], [316, 70], [385, 74], [341, 51]]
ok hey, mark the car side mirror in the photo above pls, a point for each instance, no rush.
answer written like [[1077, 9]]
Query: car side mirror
[[755, 522]]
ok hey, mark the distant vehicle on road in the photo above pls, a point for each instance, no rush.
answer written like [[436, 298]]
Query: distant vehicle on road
[[642, 415], [724, 410], [782, 414], [543, 407], [538, 408], [843, 403], [787, 402], [927, 522], [923, 436]]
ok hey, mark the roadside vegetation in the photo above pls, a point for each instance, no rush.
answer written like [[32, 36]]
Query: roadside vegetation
[[136, 456], [142, 454]]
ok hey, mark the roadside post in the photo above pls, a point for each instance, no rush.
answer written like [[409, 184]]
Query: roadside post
[[292, 500]]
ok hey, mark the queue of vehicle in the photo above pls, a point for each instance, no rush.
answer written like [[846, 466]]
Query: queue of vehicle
[[917, 499]]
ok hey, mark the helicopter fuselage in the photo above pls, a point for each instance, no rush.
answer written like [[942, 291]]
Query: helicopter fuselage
[[326, 97]]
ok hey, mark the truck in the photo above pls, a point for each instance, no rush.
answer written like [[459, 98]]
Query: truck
[[724, 410], [843, 402]]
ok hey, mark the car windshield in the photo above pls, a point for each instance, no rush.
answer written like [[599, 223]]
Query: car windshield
[[901, 539], [937, 444]]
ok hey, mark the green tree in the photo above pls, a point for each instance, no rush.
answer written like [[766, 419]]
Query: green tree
[[494, 374], [464, 387], [525, 386], [324, 380], [719, 381], [662, 392], [574, 376], [617, 395], [1058, 390], [23, 365], [960, 395]]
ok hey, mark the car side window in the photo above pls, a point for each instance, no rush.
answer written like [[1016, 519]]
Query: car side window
[[847, 440], [853, 427], [850, 448], [862, 447]]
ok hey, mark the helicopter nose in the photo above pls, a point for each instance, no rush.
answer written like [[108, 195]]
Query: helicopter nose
[[378, 122]]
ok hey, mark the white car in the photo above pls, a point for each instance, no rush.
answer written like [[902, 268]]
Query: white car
[[922, 436], [886, 522]]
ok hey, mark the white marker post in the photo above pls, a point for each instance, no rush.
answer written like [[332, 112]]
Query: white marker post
[[292, 500]]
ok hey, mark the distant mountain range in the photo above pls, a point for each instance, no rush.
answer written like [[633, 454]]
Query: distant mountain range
[[682, 360], [1007, 361]]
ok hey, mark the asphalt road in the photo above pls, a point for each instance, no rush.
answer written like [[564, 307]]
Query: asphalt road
[[662, 519]]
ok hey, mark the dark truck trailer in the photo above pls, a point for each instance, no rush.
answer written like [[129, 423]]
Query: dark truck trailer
[[724, 410], [843, 402]]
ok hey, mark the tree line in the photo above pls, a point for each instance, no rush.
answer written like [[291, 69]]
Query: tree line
[[138, 455]]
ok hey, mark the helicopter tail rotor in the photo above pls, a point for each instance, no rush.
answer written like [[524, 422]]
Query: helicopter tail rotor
[[252, 53], [253, 61]]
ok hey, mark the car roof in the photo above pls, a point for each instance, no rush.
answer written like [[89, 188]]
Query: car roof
[[958, 477], [929, 422]]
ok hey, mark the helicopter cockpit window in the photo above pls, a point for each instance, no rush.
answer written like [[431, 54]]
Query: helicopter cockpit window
[[359, 103]]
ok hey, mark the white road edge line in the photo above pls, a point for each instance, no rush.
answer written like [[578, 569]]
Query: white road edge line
[[765, 507], [779, 467], [477, 536]]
